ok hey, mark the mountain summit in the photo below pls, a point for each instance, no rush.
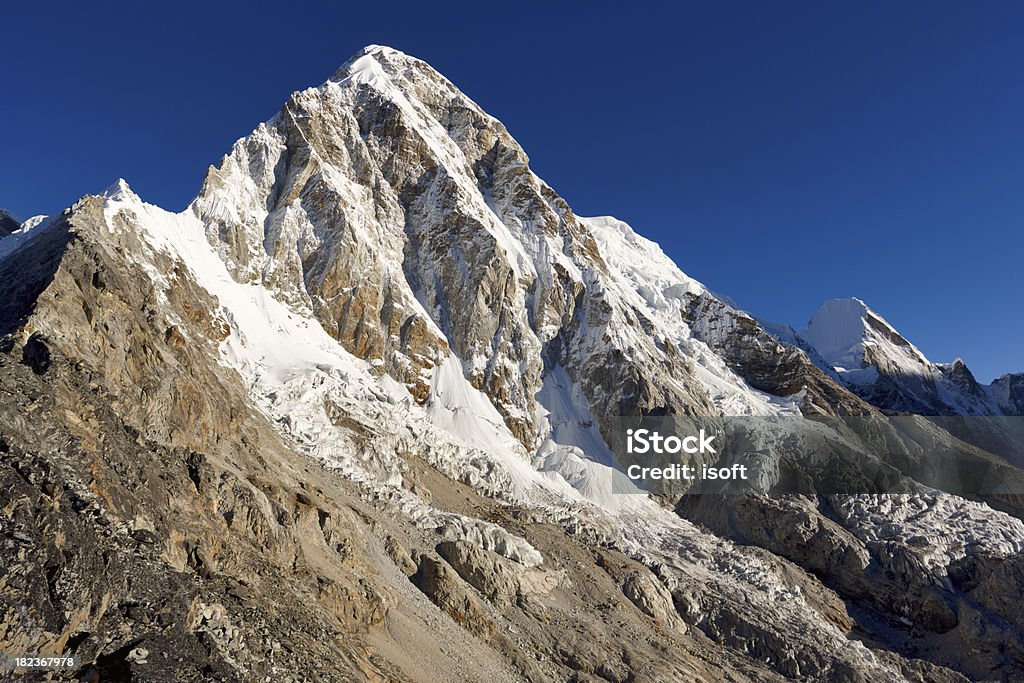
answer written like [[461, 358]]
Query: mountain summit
[[881, 366], [351, 414]]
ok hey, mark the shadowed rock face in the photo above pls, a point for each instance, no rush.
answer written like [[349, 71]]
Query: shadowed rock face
[[1010, 390], [24, 279], [8, 224], [174, 509]]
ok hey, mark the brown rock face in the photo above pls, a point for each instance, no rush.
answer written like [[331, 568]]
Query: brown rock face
[[652, 598], [444, 588], [156, 512]]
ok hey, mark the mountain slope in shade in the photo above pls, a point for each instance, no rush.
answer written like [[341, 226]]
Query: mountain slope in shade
[[884, 368], [1008, 392], [353, 405], [23, 234], [8, 223]]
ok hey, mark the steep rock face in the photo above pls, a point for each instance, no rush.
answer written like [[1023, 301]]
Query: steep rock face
[[380, 200], [326, 237]]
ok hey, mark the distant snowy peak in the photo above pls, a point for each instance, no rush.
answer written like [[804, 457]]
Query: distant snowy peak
[[958, 373], [120, 190], [32, 223], [837, 332], [851, 337], [884, 368]]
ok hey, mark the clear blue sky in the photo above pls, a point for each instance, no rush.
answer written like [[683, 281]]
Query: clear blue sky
[[783, 153]]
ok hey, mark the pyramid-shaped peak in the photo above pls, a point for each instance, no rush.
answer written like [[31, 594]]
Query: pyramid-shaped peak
[[119, 190], [836, 327]]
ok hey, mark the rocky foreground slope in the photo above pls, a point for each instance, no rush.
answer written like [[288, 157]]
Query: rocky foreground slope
[[347, 417]]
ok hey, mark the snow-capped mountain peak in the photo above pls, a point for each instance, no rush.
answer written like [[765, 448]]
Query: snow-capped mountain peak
[[366, 67], [837, 331], [393, 209], [119, 190], [20, 235], [852, 337], [884, 368]]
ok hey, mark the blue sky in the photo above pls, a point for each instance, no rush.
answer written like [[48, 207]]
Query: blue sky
[[783, 153]]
